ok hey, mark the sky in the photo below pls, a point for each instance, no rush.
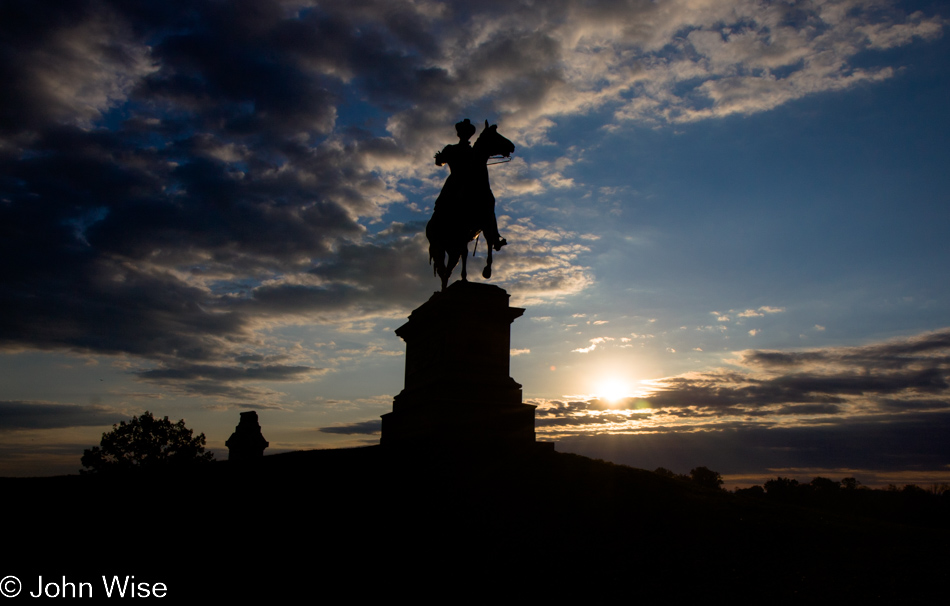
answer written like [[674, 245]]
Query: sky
[[726, 221]]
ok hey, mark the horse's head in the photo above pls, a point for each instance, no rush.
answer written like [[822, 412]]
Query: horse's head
[[491, 143]]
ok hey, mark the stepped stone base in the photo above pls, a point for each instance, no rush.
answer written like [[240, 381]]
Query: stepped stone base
[[457, 387]]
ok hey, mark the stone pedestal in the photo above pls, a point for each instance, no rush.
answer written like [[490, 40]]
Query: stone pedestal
[[457, 390]]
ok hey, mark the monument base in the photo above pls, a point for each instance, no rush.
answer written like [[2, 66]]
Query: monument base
[[460, 424], [458, 392]]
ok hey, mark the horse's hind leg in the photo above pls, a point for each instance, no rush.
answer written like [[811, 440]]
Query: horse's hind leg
[[464, 256], [437, 258], [453, 260], [444, 276]]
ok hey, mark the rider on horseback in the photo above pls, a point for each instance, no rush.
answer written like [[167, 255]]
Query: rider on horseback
[[467, 185], [466, 205]]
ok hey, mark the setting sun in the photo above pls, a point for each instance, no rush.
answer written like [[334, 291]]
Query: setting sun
[[612, 390]]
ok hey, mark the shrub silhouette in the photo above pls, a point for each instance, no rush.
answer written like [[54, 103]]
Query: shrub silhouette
[[145, 443]]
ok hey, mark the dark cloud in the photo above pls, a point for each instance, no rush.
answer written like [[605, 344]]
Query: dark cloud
[[721, 392], [895, 442], [581, 421], [557, 408], [45, 415], [226, 382], [208, 170], [805, 409], [358, 428], [63, 63], [236, 73], [227, 374], [913, 404], [111, 307], [929, 348], [369, 278]]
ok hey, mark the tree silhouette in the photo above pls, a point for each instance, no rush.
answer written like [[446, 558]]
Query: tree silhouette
[[781, 487], [824, 486], [145, 443], [666, 473], [850, 483], [705, 477]]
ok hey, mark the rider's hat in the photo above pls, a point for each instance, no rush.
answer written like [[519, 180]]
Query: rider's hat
[[465, 129]]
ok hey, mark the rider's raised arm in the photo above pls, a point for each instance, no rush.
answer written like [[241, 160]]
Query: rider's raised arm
[[446, 156]]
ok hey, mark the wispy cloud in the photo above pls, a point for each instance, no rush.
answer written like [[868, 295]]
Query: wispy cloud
[[593, 344]]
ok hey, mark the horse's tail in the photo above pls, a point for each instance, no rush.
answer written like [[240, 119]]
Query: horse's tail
[[435, 266]]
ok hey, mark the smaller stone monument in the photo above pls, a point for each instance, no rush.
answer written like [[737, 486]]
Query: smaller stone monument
[[246, 443]]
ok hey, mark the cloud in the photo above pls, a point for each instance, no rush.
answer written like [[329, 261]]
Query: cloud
[[593, 344], [18, 414], [66, 64], [925, 351], [228, 381], [756, 313], [384, 276], [358, 428], [540, 264], [222, 373]]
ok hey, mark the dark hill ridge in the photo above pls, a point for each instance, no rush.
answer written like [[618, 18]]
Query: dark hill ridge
[[372, 522]]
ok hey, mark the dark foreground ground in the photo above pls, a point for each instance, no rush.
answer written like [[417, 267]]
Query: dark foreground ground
[[339, 526]]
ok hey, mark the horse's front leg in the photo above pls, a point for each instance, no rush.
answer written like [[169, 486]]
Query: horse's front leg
[[486, 273]]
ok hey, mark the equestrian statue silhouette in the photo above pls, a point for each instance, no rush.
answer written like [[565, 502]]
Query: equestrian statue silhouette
[[466, 205]]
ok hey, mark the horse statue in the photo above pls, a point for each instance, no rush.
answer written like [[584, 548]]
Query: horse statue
[[466, 206]]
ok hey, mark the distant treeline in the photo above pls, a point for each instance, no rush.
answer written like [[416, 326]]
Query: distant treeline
[[907, 504]]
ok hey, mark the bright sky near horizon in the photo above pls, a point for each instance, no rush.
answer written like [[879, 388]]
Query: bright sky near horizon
[[727, 222]]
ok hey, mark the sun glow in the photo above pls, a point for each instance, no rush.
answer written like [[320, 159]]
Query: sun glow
[[612, 390]]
